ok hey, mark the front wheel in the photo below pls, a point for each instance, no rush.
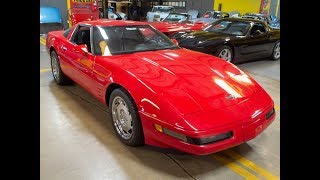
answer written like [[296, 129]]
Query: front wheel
[[276, 51], [225, 52], [57, 73], [125, 118]]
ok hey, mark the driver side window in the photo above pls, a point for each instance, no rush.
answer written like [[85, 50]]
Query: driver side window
[[257, 27], [82, 36]]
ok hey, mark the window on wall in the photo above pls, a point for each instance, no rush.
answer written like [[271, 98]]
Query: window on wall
[[176, 4]]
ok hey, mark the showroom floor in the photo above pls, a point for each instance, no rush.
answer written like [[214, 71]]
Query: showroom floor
[[78, 142]]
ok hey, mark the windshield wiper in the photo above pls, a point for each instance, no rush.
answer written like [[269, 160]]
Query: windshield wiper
[[144, 50], [170, 47]]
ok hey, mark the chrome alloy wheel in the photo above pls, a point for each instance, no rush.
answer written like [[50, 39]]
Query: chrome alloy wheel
[[55, 67], [226, 55], [277, 51], [122, 118]]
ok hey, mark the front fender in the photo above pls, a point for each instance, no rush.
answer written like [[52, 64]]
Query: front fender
[[149, 101]]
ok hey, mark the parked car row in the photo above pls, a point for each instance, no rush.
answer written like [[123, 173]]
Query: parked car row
[[176, 22], [159, 13], [212, 16], [237, 39], [233, 39]]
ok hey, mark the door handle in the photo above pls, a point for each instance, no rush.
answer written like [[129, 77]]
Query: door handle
[[63, 48]]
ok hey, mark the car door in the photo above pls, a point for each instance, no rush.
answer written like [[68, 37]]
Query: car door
[[65, 54], [81, 63], [258, 42]]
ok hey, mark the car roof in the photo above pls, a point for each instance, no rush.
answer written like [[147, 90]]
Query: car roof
[[111, 22]]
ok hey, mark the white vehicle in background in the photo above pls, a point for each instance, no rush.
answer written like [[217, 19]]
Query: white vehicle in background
[[193, 13], [158, 13], [114, 15], [123, 15]]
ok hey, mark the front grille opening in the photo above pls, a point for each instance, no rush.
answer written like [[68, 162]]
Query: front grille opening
[[270, 113], [210, 140]]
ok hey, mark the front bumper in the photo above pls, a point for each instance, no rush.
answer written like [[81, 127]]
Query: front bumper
[[242, 131]]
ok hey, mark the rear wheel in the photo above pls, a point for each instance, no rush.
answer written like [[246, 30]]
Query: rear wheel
[[276, 51], [57, 73], [225, 52], [125, 118]]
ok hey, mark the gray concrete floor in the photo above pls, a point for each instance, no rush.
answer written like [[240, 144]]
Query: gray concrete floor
[[77, 140]]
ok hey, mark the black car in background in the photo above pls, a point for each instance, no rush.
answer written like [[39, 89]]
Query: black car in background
[[233, 39]]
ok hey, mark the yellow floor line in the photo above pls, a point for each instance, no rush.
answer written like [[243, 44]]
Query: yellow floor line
[[251, 165], [44, 70], [234, 167], [42, 41]]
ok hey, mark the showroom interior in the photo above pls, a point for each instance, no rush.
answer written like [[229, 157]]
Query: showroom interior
[[179, 89]]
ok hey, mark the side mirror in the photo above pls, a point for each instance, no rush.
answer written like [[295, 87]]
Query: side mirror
[[81, 48], [175, 42]]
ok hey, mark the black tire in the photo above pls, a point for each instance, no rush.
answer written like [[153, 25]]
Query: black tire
[[137, 137], [224, 48], [59, 77], [274, 56]]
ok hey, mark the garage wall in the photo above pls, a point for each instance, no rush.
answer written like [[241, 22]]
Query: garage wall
[[61, 4], [243, 6]]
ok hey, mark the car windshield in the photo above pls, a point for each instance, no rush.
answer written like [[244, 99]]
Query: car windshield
[[162, 9], [212, 14], [256, 16], [229, 27], [113, 40], [175, 18]]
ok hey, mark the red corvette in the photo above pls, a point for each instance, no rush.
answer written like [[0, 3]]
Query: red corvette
[[176, 22], [158, 93]]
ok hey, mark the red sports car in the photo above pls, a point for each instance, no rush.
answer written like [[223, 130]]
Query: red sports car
[[176, 22], [158, 93]]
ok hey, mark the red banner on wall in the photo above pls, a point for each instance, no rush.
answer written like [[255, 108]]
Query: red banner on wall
[[81, 3], [82, 10]]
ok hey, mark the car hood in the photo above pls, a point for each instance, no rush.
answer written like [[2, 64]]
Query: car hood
[[205, 20], [174, 27], [191, 81], [193, 38]]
